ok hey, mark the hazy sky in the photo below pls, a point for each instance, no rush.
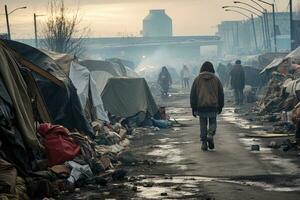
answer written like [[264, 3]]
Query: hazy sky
[[124, 17]]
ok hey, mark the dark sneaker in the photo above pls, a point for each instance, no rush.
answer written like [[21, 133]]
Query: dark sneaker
[[204, 146], [210, 141]]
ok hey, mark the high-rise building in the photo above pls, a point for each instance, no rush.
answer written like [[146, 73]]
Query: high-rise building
[[157, 24]]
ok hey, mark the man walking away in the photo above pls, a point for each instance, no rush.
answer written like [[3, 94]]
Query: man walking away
[[207, 100], [237, 75]]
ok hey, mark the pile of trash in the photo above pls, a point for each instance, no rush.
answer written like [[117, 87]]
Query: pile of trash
[[68, 161], [279, 96]]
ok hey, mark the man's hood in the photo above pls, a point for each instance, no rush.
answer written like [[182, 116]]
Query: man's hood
[[206, 75]]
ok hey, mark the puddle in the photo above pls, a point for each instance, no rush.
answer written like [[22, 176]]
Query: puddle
[[283, 165], [167, 154], [190, 184]]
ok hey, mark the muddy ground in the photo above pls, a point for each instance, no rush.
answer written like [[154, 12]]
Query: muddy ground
[[168, 164]]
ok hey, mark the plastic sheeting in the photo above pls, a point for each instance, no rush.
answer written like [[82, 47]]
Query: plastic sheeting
[[126, 97], [62, 102], [17, 89], [85, 84], [275, 63]]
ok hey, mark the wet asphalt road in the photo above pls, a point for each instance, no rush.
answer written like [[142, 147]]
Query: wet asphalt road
[[169, 164], [231, 171]]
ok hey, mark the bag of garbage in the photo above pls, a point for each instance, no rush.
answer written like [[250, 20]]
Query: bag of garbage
[[60, 147]]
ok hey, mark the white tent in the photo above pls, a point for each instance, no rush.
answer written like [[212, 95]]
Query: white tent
[[101, 71], [87, 88]]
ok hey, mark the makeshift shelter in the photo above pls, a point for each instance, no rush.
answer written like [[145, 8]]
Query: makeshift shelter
[[62, 59], [105, 66], [14, 92], [294, 55], [58, 93], [125, 97], [102, 71], [274, 64], [87, 91], [126, 63]]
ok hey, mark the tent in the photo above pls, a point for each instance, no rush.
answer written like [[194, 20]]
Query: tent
[[56, 88], [62, 59], [126, 63], [102, 71], [87, 91], [106, 66], [125, 97], [17, 114]]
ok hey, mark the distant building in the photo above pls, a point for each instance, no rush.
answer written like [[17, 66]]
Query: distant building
[[157, 24], [238, 36]]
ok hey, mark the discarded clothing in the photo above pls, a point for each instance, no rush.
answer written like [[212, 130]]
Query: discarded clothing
[[78, 171], [8, 177], [59, 145]]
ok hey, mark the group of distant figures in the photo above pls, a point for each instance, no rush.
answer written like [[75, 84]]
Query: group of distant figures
[[230, 75], [165, 79]]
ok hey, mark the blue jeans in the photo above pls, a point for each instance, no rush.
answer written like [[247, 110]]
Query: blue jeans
[[204, 130]]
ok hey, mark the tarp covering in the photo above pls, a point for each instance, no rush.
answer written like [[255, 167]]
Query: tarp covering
[[17, 89], [275, 63], [126, 63], [38, 58], [62, 59], [126, 97], [62, 102], [295, 55], [86, 87], [102, 71], [107, 66]]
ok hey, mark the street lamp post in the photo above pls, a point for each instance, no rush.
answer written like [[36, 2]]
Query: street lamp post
[[292, 25], [274, 22], [266, 17], [35, 28], [7, 19], [7, 22], [253, 25], [252, 12], [266, 23]]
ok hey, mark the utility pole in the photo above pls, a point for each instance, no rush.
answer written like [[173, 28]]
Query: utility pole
[[7, 22], [291, 25], [237, 35], [254, 32], [274, 21], [274, 28], [35, 31]]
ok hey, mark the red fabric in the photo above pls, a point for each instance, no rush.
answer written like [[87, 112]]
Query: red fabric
[[59, 146]]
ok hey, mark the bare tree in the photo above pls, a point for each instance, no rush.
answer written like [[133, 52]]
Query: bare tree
[[61, 33]]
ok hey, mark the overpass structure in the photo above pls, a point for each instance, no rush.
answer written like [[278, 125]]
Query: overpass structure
[[135, 48]]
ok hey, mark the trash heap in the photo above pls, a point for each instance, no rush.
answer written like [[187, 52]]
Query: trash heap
[[279, 96], [281, 100], [69, 160]]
